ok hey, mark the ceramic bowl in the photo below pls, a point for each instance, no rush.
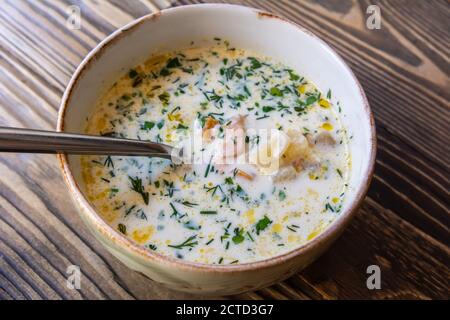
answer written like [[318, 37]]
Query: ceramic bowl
[[246, 28]]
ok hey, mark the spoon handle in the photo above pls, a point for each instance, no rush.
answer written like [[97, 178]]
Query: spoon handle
[[39, 141]]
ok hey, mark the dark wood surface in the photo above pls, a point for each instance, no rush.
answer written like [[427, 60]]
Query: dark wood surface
[[403, 225]]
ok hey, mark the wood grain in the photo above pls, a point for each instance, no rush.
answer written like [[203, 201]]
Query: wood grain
[[403, 226]]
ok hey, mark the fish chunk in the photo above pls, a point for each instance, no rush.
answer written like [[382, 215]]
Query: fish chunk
[[297, 150], [267, 154], [324, 138], [233, 143], [285, 174]]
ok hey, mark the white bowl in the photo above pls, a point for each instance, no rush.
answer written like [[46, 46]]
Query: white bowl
[[246, 28]]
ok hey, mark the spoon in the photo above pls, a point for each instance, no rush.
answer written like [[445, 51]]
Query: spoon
[[40, 141]]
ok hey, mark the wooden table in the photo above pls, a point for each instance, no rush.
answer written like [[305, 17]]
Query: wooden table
[[403, 226]]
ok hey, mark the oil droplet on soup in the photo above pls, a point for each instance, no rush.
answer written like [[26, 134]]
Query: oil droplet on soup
[[275, 160]]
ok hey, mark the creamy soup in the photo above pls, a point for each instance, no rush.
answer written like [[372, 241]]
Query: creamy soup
[[269, 174]]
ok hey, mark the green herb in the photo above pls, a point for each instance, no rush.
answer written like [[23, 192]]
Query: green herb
[[300, 107], [160, 124], [237, 98], [164, 98], [189, 204], [213, 96], [224, 236], [125, 97], [132, 74], [310, 100], [98, 162], [208, 212], [174, 210], [188, 243], [188, 70], [231, 72], [262, 224], [276, 92], [281, 107], [137, 80], [255, 64], [238, 236], [292, 75], [136, 185], [247, 92], [191, 225], [208, 167], [267, 108], [148, 125], [152, 247], [128, 211], [174, 110], [329, 207], [108, 134], [182, 127], [173, 63], [170, 187], [142, 214], [122, 228], [213, 189], [241, 193], [164, 72], [113, 192], [282, 195], [108, 162]]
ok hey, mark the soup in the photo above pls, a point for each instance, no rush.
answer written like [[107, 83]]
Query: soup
[[267, 157]]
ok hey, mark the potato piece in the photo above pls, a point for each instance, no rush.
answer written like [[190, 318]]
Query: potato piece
[[324, 138], [284, 174], [310, 139], [267, 154], [232, 144], [298, 148], [298, 165], [237, 122]]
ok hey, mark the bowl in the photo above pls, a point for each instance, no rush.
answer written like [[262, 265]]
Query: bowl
[[245, 28]]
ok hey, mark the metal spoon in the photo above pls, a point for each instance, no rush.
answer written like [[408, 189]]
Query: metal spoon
[[40, 141]]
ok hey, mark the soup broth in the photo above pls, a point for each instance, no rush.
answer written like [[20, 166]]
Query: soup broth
[[269, 174]]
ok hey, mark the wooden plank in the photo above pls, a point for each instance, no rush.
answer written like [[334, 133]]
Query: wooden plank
[[403, 225]]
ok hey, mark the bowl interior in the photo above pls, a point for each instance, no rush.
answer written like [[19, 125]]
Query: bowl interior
[[244, 28]]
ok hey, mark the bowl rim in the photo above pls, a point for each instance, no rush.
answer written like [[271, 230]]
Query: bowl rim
[[133, 249]]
